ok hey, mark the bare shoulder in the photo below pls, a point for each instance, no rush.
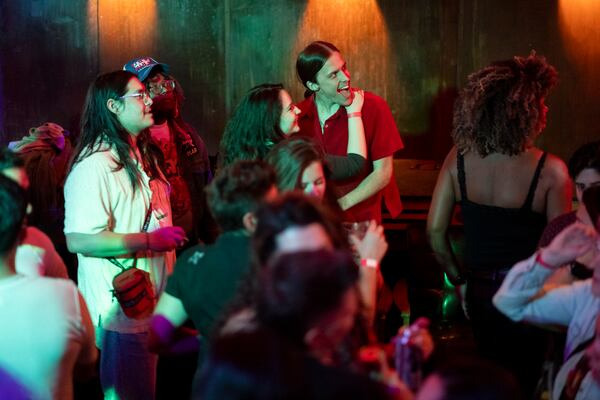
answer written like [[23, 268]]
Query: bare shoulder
[[449, 165], [555, 169]]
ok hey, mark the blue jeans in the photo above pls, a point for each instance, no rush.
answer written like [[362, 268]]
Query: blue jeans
[[127, 368]]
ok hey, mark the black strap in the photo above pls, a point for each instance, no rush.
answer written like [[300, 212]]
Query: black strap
[[114, 261], [460, 166], [534, 182]]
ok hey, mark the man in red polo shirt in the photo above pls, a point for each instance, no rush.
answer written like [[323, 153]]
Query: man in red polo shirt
[[322, 70]]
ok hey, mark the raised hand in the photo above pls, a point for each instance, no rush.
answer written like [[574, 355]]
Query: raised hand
[[373, 245], [574, 241], [358, 99]]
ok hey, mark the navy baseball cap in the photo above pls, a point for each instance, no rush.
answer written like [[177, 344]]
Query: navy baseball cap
[[142, 67]]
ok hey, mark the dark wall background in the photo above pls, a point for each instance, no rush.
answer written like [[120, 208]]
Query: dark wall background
[[416, 54]]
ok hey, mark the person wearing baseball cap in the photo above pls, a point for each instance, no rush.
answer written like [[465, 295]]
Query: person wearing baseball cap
[[185, 158]]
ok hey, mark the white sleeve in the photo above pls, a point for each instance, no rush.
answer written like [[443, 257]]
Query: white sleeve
[[87, 196], [521, 296]]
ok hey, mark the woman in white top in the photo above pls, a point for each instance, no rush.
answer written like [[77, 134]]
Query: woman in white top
[[117, 212]]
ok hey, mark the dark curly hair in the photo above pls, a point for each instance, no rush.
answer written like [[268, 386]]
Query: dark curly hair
[[500, 108], [238, 189], [254, 127]]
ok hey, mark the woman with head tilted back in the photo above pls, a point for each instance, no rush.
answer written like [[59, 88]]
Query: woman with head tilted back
[[267, 115], [507, 189], [117, 215], [300, 165]]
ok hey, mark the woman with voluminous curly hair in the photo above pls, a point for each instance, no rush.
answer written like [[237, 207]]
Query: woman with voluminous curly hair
[[507, 190]]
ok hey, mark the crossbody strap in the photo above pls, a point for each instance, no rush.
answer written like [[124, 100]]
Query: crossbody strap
[[114, 261]]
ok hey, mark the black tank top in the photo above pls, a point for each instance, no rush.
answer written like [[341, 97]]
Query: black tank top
[[495, 237]]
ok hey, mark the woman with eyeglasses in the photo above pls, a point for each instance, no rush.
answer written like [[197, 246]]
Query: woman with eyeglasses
[[117, 216]]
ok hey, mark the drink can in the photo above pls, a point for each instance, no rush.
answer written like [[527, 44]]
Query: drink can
[[408, 361]]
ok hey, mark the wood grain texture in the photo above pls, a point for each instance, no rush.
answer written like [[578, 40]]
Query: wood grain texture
[[415, 54]]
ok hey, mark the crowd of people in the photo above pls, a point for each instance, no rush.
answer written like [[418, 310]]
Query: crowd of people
[[251, 269]]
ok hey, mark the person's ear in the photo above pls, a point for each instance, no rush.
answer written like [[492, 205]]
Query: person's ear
[[114, 106], [249, 221], [312, 86]]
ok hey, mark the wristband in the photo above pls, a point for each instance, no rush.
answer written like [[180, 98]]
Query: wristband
[[540, 261], [357, 114], [369, 263]]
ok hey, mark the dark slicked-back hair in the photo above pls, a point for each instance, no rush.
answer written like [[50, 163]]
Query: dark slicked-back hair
[[586, 156], [499, 110], [297, 289], [311, 60], [254, 126], [238, 189], [13, 206], [100, 128]]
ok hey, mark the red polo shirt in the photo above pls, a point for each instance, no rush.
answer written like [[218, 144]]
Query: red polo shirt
[[383, 140]]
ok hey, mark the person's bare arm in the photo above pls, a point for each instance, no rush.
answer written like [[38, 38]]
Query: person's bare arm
[[378, 179], [166, 333], [440, 215], [357, 143], [371, 249], [560, 192], [107, 244]]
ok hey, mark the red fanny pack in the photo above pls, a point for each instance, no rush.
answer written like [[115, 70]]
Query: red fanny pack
[[135, 293], [132, 287]]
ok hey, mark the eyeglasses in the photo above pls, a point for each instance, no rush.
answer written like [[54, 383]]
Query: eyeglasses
[[168, 85], [142, 95]]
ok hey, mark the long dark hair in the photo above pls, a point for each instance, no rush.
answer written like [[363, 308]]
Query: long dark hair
[[254, 127], [311, 60], [499, 108], [100, 129]]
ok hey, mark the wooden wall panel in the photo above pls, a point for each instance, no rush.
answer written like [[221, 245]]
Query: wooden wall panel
[[47, 63], [190, 38], [417, 55]]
